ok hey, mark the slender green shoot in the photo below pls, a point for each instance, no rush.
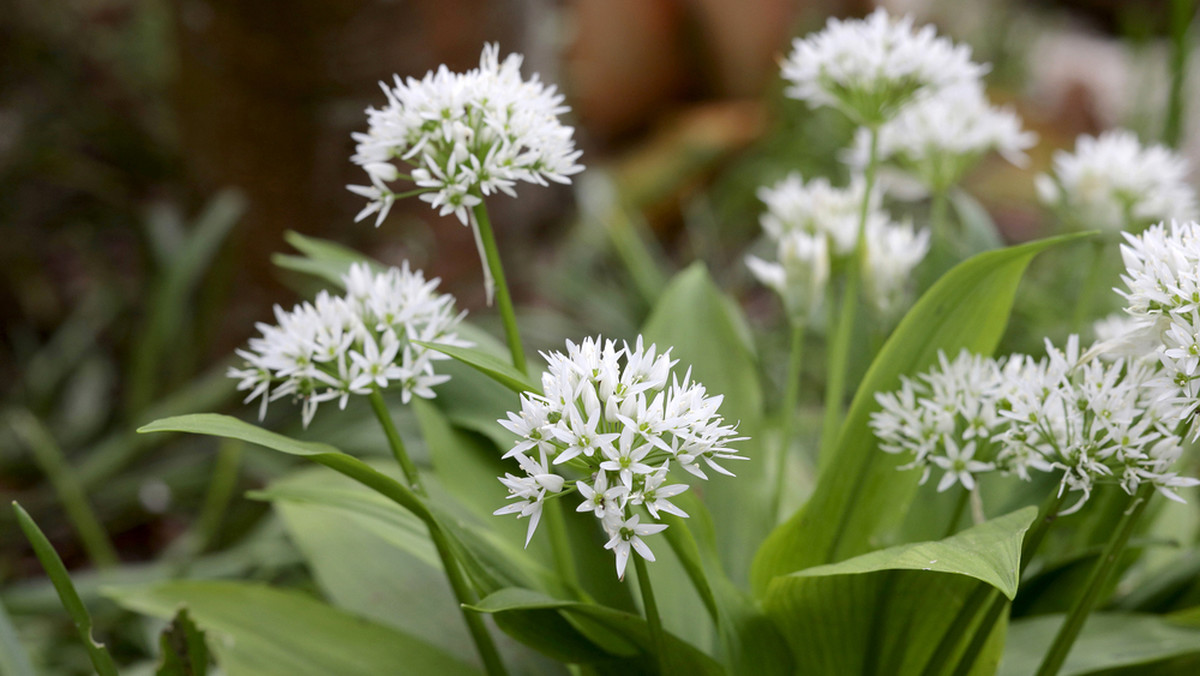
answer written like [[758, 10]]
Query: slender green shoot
[[503, 299], [67, 487], [1182, 14], [1083, 605], [652, 617], [843, 331], [57, 572], [787, 417]]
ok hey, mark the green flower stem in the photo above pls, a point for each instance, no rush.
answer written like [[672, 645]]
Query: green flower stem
[[1087, 293], [960, 506], [990, 600], [937, 216], [652, 617], [1083, 605], [560, 543], [458, 582], [787, 423], [1182, 12], [70, 492], [395, 442], [839, 355], [503, 299]]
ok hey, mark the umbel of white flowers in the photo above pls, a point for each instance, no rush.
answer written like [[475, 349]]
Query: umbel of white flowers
[[870, 68], [1114, 182], [336, 346], [1089, 419], [815, 223], [936, 140], [620, 419], [1162, 293]]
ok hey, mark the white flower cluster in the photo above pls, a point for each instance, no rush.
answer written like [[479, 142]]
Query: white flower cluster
[[814, 222], [1114, 182], [1091, 420], [872, 67], [937, 139], [460, 136], [1162, 292], [336, 346], [620, 419]]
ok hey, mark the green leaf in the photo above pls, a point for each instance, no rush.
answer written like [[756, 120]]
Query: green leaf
[[680, 657], [322, 258], [14, 660], [488, 364], [57, 572], [860, 495], [260, 631], [892, 607], [1108, 641], [231, 428], [182, 651], [688, 552], [706, 332]]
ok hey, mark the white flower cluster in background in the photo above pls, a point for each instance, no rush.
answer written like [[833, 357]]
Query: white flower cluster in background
[[938, 139], [336, 346], [1114, 182], [620, 419], [461, 136], [872, 67], [810, 223], [1089, 419], [1162, 292]]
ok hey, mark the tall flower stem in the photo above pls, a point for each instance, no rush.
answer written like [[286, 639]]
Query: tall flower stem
[[458, 581], [791, 394], [1083, 605], [839, 356], [503, 299], [988, 599], [652, 618], [937, 216]]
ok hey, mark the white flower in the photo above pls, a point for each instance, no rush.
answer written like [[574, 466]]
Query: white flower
[[337, 346], [939, 138], [872, 67], [817, 208], [892, 252], [800, 275], [461, 136], [628, 534], [1115, 183], [959, 465], [609, 412]]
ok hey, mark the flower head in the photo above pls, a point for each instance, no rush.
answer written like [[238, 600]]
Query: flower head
[[892, 252], [819, 209], [461, 136], [871, 68], [799, 276], [618, 416], [1114, 182], [939, 138], [337, 346]]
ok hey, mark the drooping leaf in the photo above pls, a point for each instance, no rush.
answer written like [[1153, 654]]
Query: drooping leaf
[[259, 631], [182, 650], [488, 364], [1109, 641], [680, 657], [890, 609], [101, 660], [860, 494], [322, 258], [706, 332]]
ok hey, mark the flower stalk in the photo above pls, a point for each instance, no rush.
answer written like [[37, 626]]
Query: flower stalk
[[503, 299], [844, 329], [650, 607], [787, 423]]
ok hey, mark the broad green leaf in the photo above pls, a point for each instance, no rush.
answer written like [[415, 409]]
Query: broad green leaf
[[488, 364], [705, 332], [1109, 641], [860, 494], [14, 660], [57, 573], [259, 631], [231, 428], [680, 657], [322, 258], [891, 608], [182, 650]]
